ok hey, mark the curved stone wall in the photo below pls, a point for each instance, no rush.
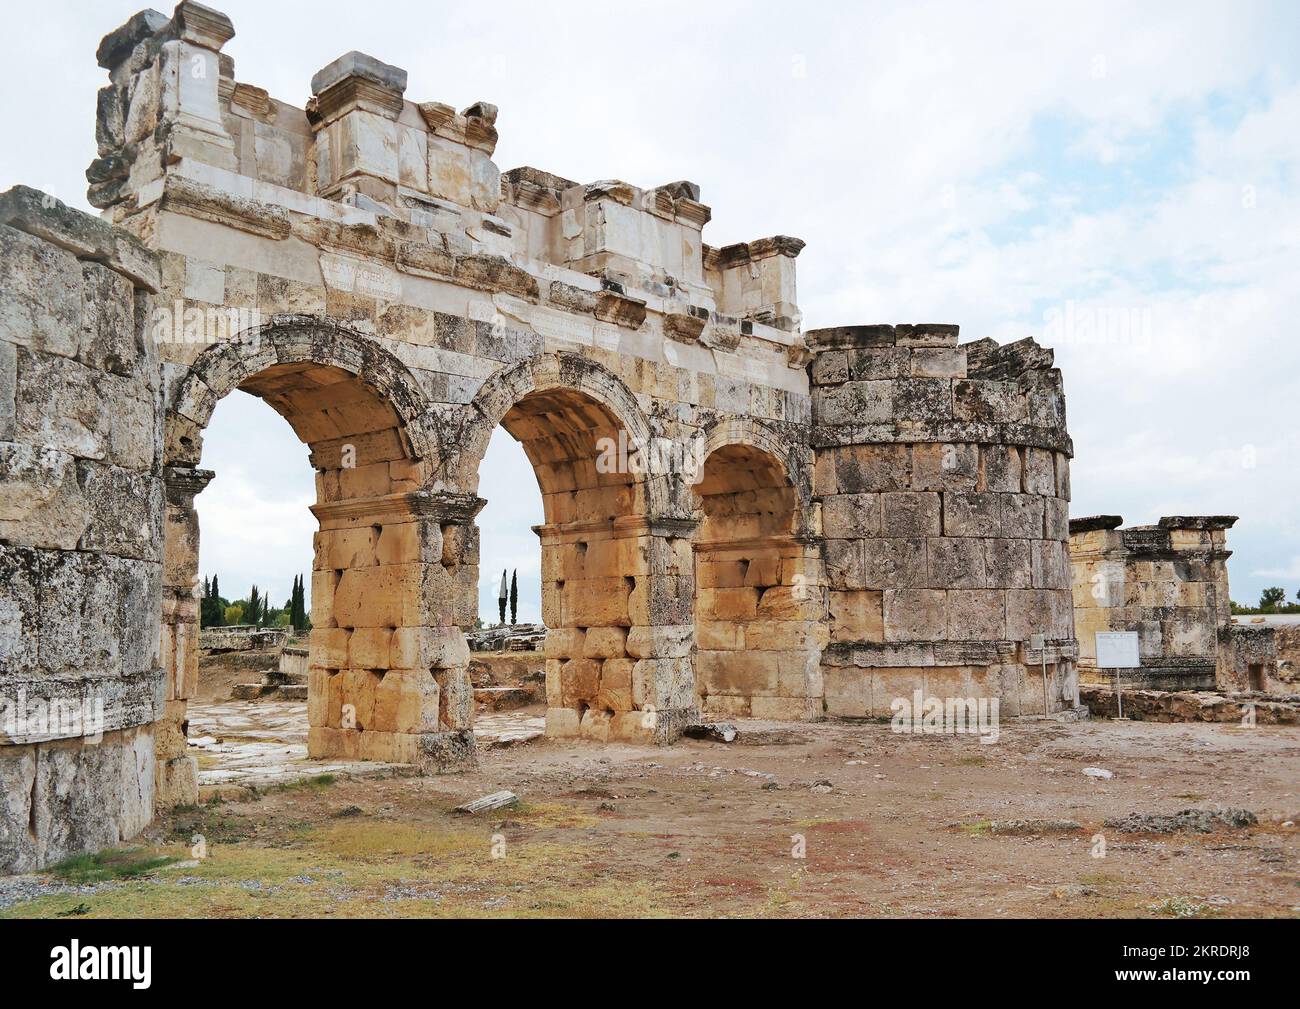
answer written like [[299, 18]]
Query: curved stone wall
[[943, 476]]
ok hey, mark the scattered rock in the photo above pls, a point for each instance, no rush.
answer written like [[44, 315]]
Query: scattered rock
[[1098, 772], [821, 786], [1200, 821], [718, 732], [495, 800]]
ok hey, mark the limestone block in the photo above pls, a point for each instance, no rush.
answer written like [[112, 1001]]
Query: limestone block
[[565, 643], [429, 648], [848, 692], [329, 647], [616, 684], [786, 602], [865, 468], [938, 362], [945, 467], [1022, 516], [605, 643], [921, 399], [955, 563], [910, 514], [1050, 561], [1008, 563], [664, 684], [857, 616], [891, 563], [977, 614], [971, 513], [456, 700], [40, 295], [856, 403], [407, 700], [716, 635], [660, 642], [736, 604], [1001, 468], [579, 682], [848, 516], [915, 614], [880, 363], [562, 722], [62, 405], [1029, 612], [732, 672], [1040, 472], [989, 402], [371, 648]]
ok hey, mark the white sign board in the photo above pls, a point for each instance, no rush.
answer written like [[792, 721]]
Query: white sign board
[[1117, 650]]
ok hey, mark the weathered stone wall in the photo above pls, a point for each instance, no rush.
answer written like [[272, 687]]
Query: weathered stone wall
[[1168, 582], [81, 504], [943, 476]]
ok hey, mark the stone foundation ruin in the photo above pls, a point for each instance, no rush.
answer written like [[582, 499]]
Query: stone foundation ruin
[[740, 518]]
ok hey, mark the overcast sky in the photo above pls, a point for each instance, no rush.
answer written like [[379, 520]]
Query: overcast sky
[[1054, 170]]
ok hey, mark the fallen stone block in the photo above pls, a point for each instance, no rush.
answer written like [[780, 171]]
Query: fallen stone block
[[495, 800]]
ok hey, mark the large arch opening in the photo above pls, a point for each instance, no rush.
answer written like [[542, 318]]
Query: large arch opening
[[759, 600], [616, 581], [389, 590]]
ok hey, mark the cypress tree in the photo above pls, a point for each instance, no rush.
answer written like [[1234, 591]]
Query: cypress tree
[[514, 597]]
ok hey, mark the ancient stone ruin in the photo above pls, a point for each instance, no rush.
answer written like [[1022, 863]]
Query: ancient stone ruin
[[1168, 582], [741, 518]]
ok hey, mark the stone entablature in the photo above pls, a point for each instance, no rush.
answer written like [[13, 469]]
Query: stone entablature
[[1168, 582]]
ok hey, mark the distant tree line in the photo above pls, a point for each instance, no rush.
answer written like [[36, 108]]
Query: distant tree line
[[1271, 600], [215, 610]]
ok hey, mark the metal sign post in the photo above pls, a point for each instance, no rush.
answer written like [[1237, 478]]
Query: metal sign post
[[1118, 650]]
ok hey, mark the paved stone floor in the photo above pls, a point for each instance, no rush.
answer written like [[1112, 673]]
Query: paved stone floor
[[242, 744]]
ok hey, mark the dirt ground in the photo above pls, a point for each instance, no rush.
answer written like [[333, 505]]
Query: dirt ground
[[886, 824]]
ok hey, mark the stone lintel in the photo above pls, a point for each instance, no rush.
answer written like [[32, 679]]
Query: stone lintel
[[1198, 522], [442, 506], [1092, 523], [911, 335]]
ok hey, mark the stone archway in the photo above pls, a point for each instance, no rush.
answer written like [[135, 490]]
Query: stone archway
[[760, 603], [616, 575], [388, 678]]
